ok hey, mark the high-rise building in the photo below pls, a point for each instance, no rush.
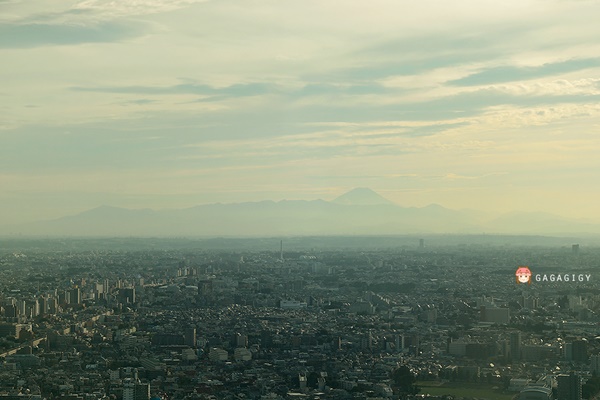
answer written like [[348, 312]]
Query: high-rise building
[[21, 306], [32, 308], [515, 346], [530, 302], [281, 251], [190, 337], [496, 315], [128, 389], [135, 390], [216, 355], [302, 381], [569, 387], [242, 354], [575, 249], [63, 297], [205, 288], [43, 302], [11, 311], [10, 330], [568, 351], [142, 391], [240, 340], [580, 350], [412, 343], [266, 339], [595, 364], [52, 305], [399, 343], [99, 291], [75, 296], [127, 295]]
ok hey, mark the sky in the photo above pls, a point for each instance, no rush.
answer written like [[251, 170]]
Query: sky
[[158, 104]]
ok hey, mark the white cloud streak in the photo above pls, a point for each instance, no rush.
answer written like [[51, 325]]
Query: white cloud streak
[[114, 8]]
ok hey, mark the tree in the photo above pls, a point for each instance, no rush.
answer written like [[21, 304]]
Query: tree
[[590, 388], [405, 380]]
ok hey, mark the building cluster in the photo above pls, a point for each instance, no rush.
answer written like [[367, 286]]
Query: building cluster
[[308, 324]]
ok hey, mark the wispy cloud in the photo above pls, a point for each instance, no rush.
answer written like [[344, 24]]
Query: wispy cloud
[[246, 89], [452, 176], [40, 34], [237, 90], [117, 8], [515, 73]]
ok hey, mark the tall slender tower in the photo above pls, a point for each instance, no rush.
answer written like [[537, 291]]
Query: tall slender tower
[[281, 250]]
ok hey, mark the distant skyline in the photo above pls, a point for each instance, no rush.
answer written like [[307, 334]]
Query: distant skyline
[[175, 103]]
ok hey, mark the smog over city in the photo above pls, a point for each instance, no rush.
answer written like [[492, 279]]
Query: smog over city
[[225, 199]]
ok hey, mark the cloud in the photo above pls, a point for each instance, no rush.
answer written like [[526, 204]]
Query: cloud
[[317, 89], [246, 89], [117, 8], [513, 73], [474, 103], [39, 34], [236, 90], [418, 54], [141, 102], [452, 176], [354, 141]]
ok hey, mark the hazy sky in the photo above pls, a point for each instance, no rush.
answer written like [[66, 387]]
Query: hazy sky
[[172, 103]]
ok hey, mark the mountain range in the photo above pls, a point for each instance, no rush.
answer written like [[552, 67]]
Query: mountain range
[[361, 211]]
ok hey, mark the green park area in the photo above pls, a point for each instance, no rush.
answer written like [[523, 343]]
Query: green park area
[[462, 389]]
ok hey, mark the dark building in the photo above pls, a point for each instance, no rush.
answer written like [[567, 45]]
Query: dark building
[[63, 297], [74, 296], [10, 311], [266, 339], [168, 339], [205, 288], [580, 352], [10, 330], [412, 343], [569, 387], [515, 346], [190, 337], [135, 390], [480, 350], [127, 295], [142, 391]]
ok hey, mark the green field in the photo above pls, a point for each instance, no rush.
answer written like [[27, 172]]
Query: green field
[[462, 389]]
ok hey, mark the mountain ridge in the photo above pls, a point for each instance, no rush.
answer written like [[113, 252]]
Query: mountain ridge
[[360, 211]]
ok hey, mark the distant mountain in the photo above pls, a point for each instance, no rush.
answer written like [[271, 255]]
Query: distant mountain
[[362, 197], [358, 212]]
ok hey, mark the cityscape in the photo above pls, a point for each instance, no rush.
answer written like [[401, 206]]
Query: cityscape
[[311, 200], [299, 318]]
